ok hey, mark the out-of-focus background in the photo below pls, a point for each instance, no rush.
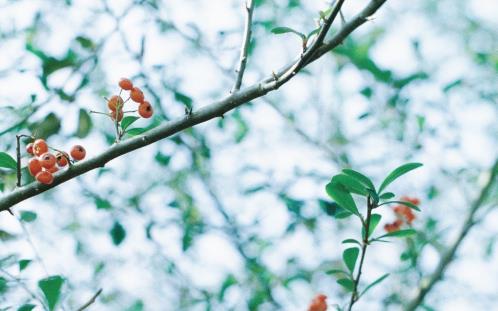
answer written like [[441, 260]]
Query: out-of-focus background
[[232, 214]]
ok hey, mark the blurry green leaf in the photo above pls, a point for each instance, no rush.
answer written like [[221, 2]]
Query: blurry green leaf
[[138, 305], [6, 236], [346, 241], [350, 255], [51, 288], [351, 184], [337, 192], [136, 131], [409, 204], [118, 233], [162, 158], [347, 284], [335, 271], [127, 121], [282, 30], [23, 264], [7, 161], [26, 307], [3, 285], [451, 85], [403, 169], [387, 196], [360, 178], [184, 99], [102, 203], [382, 278], [84, 124], [47, 127], [28, 216], [227, 283], [85, 42], [398, 234]]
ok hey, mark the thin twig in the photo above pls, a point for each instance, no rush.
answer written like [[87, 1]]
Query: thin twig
[[249, 8], [91, 301], [449, 255]]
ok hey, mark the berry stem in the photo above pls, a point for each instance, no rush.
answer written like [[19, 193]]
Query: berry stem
[[18, 154], [98, 112]]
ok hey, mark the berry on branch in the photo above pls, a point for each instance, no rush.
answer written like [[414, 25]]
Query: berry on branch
[[78, 152]]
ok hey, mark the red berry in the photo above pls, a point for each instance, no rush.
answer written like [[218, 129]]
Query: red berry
[[78, 152], [120, 115], [61, 158], [115, 102], [318, 303], [39, 147], [34, 166], [47, 160], [136, 95], [145, 110], [53, 169], [29, 148], [45, 177], [125, 84]]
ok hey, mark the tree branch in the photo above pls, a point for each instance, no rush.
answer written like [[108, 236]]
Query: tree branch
[[91, 301], [449, 255], [249, 8], [216, 109]]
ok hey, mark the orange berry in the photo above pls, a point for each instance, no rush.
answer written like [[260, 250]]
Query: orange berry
[[47, 160], [145, 110], [115, 102], [318, 303], [34, 166], [78, 152], [39, 147], [61, 158], [45, 177], [53, 169], [29, 148], [136, 95], [120, 115], [125, 84]]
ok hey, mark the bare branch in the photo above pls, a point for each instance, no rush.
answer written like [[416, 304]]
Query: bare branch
[[449, 255], [249, 8], [91, 301], [214, 110]]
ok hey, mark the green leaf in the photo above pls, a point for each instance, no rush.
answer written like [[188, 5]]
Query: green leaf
[[118, 233], [282, 30], [314, 32], [229, 281], [102, 203], [337, 192], [403, 169], [84, 124], [382, 278], [127, 121], [409, 204], [136, 131], [387, 196], [26, 307], [347, 284], [184, 99], [85, 42], [28, 216], [351, 184], [360, 177], [398, 234], [350, 255], [374, 221], [4, 287], [47, 127], [23, 264], [51, 288], [334, 271], [346, 241], [7, 161]]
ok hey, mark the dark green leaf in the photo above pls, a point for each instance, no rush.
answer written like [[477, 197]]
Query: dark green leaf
[[409, 204], [118, 233], [85, 42], [47, 127], [3, 285], [351, 184], [23, 264], [350, 255], [7, 161], [136, 131], [184, 99], [229, 281], [387, 196], [84, 124], [28, 216], [51, 288], [162, 158], [339, 193], [127, 121], [102, 203], [26, 307], [360, 177], [282, 30], [334, 271], [382, 278], [347, 284], [403, 169], [398, 234], [351, 241], [374, 221]]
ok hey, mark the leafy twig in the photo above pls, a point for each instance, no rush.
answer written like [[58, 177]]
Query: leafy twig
[[249, 8]]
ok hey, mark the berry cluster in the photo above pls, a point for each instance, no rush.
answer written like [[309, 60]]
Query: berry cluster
[[403, 213], [116, 102], [318, 303], [44, 164]]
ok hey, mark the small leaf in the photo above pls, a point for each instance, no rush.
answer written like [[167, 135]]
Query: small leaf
[[334, 271], [351, 184], [403, 169], [337, 192], [382, 278], [350, 255], [347, 284], [314, 32], [409, 204], [399, 234], [360, 177], [229, 281], [84, 124], [7, 161], [374, 221], [26, 307], [127, 121], [136, 131], [118, 233], [346, 241], [28, 216], [282, 30], [387, 196], [51, 288], [23, 264]]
